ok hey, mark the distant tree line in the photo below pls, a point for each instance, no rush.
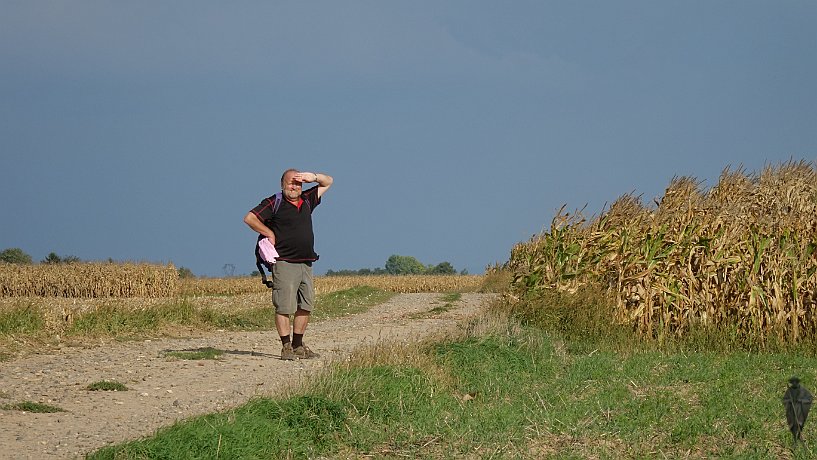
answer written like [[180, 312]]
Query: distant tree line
[[401, 265], [18, 256], [395, 265]]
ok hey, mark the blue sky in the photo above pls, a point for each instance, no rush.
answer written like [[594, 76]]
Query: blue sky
[[454, 129]]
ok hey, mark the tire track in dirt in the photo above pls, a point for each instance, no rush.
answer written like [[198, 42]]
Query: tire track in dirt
[[163, 391]]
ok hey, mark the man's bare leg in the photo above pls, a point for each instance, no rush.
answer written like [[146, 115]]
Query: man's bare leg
[[301, 321], [282, 324]]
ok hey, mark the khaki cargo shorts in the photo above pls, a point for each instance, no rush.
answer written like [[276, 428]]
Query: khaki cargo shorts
[[292, 287]]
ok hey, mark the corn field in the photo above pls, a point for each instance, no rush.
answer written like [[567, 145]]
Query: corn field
[[741, 256], [109, 280], [88, 280], [401, 283], [326, 284]]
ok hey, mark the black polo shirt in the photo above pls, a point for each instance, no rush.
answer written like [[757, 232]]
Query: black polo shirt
[[292, 226]]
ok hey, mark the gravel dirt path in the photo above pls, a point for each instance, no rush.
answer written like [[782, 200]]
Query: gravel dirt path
[[164, 390]]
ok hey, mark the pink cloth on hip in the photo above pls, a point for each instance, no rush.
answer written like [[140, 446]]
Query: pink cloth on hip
[[267, 250]]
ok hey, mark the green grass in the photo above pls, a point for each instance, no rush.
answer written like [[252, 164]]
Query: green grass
[[436, 310], [261, 429], [200, 353], [349, 301], [17, 322], [33, 407], [20, 320], [514, 392], [451, 297], [113, 320], [106, 385]]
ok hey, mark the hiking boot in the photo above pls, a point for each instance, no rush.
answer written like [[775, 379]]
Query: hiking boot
[[287, 354], [304, 352]]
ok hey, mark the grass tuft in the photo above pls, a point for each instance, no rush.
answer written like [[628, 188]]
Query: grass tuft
[[33, 407], [451, 297], [448, 298], [439, 309], [199, 353], [106, 385]]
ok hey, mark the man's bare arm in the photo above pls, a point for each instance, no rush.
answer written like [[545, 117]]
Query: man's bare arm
[[255, 223], [324, 180]]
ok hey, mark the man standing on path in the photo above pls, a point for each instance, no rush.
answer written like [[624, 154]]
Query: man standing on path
[[289, 229]]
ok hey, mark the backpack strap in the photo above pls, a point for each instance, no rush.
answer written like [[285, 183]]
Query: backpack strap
[[278, 197], [259, 262]]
